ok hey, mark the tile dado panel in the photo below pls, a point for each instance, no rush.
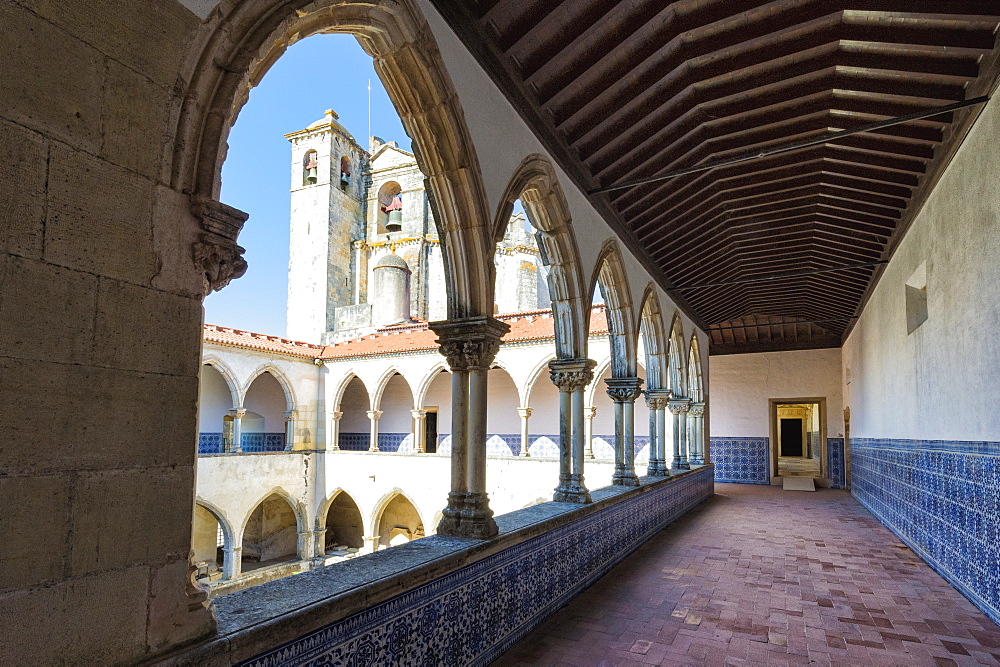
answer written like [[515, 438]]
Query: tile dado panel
[[835, 463], [741, 460], [942, 499], [471, 615]]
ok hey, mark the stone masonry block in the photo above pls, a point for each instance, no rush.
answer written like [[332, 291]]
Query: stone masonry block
[[175, 231], [99, 217], [33, 524], [42, 304], [22, 190], [59, 64], [147, 330], [150, 37], [122, 518], [131, 419], [100, 620], [170, 620], [134, 121]]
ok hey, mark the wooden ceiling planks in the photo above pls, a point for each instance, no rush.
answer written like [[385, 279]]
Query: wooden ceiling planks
[[622, 90]]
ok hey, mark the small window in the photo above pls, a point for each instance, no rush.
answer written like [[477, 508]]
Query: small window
[[310, 168], [916, 299], [345, 173]]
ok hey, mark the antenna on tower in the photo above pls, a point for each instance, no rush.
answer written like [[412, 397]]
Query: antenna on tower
[[369, 110]]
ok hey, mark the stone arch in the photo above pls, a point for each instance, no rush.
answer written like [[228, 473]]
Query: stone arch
[[695, 385], [383, 381], [286, 384], [609, 274], [420, 395], [351, 539], [242, 39], [536, 375], [677, 356], [220, 516], [297, 508], [280, 543], [338, 394], [228, 375], [383, 504], [204, 537], [591, 391], [654, 340], [535, 183]]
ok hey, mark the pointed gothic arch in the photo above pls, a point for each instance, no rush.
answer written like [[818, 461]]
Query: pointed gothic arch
[[535, 183], [654, 340], [228, 375], [609, 275], [420, 395], [377, 514], [242, 39], [345, 382], [277, 374], [695, 383], [677, 356], [383, 382]]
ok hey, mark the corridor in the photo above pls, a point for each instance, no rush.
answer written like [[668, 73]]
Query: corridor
[[757, 575]]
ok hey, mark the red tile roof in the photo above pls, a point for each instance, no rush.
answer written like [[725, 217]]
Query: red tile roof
[[411, 337]]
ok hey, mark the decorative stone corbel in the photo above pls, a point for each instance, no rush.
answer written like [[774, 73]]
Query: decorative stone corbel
[[216, 254]]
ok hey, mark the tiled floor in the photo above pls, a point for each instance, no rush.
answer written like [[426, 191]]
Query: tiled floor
[[757, 575]]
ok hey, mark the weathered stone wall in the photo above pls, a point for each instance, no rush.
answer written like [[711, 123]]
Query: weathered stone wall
[[99, 336]]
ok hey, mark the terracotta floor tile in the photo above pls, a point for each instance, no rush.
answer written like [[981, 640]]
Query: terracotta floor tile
[[760, 576]]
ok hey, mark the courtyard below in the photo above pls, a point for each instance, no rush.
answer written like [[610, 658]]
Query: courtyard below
[[758, 575]]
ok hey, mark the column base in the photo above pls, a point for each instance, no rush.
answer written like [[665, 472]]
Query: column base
[[373, 448], [468, 515], [681, 464], [697, 461], [572, 490], [657, 468], [624, 477]]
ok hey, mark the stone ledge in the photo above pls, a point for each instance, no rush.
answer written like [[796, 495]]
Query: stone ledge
[[256, 620]]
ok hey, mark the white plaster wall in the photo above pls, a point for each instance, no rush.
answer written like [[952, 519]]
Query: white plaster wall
[[943, 380], [397, 401], [355, 405], [266, 398], [742, 384]]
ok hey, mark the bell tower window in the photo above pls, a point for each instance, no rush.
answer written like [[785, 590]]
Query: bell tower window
[[390, 216], [310, 168], [345, 173]]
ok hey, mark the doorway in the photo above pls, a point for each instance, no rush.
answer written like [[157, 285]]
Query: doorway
[[431, 431], [798, 436]]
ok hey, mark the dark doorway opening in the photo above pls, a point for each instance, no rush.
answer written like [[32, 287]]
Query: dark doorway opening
[[791, 437], [431, 431]]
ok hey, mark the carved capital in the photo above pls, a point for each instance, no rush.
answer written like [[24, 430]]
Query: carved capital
[[216, 254], [572, 374], [238, 413], [697, 410], [469, 344], [374, 415], [624, 390], [291, 415], [589, 413], [524, 412], [337, 415], [679, 406], [657, 399], [418, 414]]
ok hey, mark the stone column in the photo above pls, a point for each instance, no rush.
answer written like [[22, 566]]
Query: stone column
[[232, 565], [238, 415], [696, 413], [624, 391], [304, 544], [371, 544], [335, 431], [525, 414], [319, 543], [678, 408], [373, 415], [419, 430], [470, 346], [588, 431], [571, 376], [656, 400], [290, 417]]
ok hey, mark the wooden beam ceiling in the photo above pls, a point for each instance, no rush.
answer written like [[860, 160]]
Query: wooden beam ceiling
[[624, 90]]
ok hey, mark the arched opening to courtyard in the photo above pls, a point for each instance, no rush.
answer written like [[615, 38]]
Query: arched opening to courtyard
[[264, 422], [270, 535], [344, 527], [355, 424], [521, 274], [208, 542], [502, 422], [398, 522], [437, 404], [543, 422], [395, 420], [215, 401]]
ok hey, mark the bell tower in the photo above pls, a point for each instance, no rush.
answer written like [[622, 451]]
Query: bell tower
[[328, 199]]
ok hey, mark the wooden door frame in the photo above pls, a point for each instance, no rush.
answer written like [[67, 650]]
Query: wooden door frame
[[773, 404]]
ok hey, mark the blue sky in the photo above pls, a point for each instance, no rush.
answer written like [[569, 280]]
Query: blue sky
[[319, 73]]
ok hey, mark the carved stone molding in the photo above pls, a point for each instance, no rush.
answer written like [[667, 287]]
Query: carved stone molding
[[679, 406], [216, 254], [469, 344], [624, 390], [572, 374]]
